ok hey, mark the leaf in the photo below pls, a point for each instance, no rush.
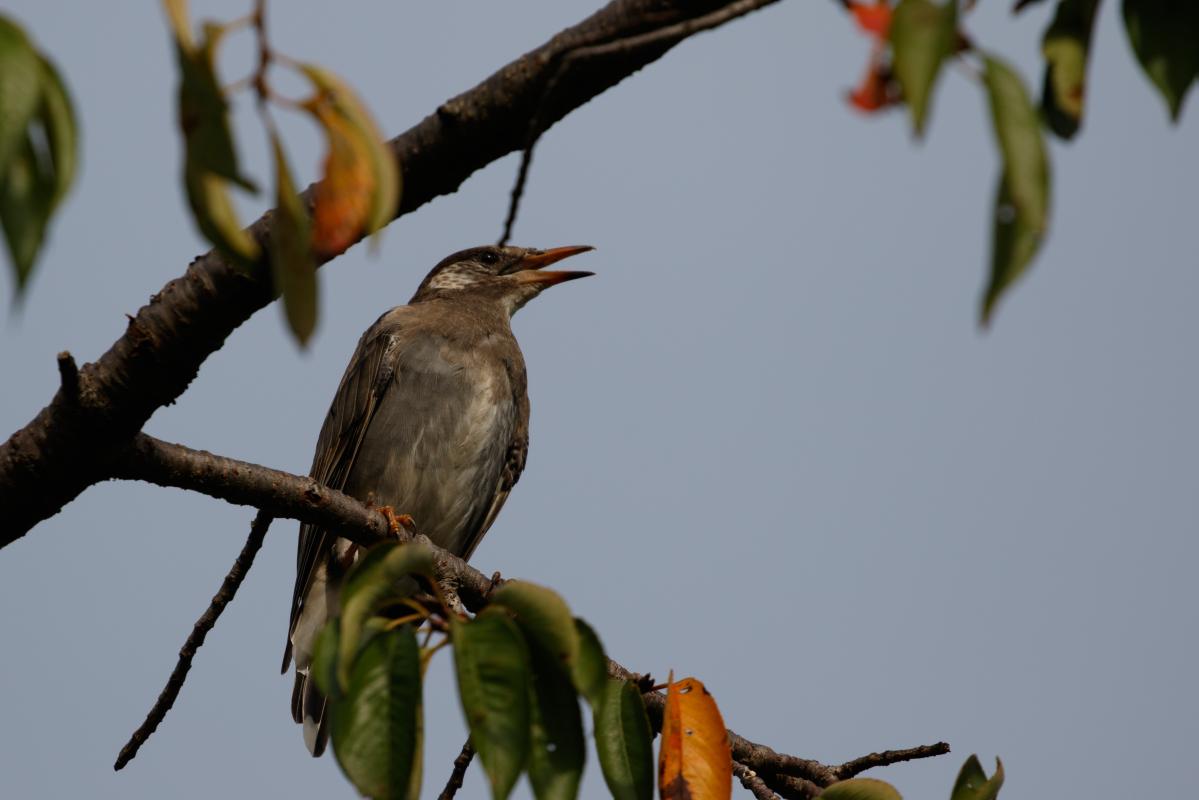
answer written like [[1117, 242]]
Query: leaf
[[387, 175], [623, 742], [292, 267], [375, 727], [543, 615], [376, 580], [695, 761], [57, 117], [1022, 202], [590, 670], [1066, 45], [26, 200], [323, 664], [861, 789], [556, 749], [922, 37], [1164, 34], [212, 208], [972, 783], [21, 78], [493, 673]]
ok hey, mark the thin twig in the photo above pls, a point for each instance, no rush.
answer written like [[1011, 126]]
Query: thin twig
[[203, 625], [666, 36], [459, 774], [753, 784], [888, 757], [793, 788]]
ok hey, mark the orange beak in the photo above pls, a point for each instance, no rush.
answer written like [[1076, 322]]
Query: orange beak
[[529, 267]]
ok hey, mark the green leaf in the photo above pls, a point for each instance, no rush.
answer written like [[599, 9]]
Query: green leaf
[[492, 663], [204, 112], [861, 789], [379, 578], [375, 727], [1022, 202], [323, 665], [26, 200], [1164, 34], [292, 266], [556, 749], [623, 742], [543, 615], [1066, 45], [590, 671], [973, 784], [57, 117], [212, 207], [20, 89], [923, 34]]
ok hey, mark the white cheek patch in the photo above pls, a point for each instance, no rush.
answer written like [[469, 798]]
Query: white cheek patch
[[452, 279]]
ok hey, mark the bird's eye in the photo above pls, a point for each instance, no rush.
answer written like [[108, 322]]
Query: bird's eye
[[489, 257]]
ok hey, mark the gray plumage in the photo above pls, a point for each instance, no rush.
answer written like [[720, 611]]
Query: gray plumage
[[432, 419]]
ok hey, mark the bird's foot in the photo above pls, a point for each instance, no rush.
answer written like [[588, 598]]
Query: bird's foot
[[399, 524]]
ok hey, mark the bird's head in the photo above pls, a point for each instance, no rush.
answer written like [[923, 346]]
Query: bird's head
[[511, 276]]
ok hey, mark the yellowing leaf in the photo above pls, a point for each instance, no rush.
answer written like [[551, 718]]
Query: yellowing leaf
[[1065, 47], [695, 761], [861, 789], [922, 37], [342, 101], [344, 195]]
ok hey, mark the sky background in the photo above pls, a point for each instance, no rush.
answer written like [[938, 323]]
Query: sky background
[[770, 446]]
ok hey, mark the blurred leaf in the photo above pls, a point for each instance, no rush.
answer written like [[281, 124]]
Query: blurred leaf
[[1022, 203], [556, 749], [179, 17], [861, 789], [208, 196], [872, 18], [292, 267], [493, 674], [204, 112], [26, 199], [922, 37], [323, 664], [543, 615], [21, 78], [1165, 37], [1066, 45], [37, 147], [386, 198], [57, 117], [624, 743], [590, 672], [376, 580], [343, 196], [375, 726], [694, 762], [972, 782]]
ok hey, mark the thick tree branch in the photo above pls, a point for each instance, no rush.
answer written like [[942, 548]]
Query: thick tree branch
[[69, 444], [281, 494]]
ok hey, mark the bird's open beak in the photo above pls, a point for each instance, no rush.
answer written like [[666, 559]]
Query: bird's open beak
[[530, 269]]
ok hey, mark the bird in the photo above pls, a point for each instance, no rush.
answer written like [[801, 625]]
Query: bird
[[431, 419]]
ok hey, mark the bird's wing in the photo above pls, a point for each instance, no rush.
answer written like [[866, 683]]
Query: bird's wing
[[514, 464], [367, 376]]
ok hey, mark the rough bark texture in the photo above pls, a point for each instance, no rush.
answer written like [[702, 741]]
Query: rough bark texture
[[71, 443]]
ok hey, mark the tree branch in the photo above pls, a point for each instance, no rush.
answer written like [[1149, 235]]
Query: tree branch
[[68, 445], [458, 775], [281, 494], [195, 639]]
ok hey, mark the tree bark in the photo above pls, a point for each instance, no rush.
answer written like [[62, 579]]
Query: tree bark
[[72, 442]]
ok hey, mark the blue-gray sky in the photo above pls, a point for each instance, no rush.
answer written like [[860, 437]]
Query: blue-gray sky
[[770, 446]]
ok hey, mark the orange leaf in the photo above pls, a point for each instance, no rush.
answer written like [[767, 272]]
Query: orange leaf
[[873, 19], [695, 761], [343, 197]]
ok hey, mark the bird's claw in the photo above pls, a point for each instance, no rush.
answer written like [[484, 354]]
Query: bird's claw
[[401, 525]]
